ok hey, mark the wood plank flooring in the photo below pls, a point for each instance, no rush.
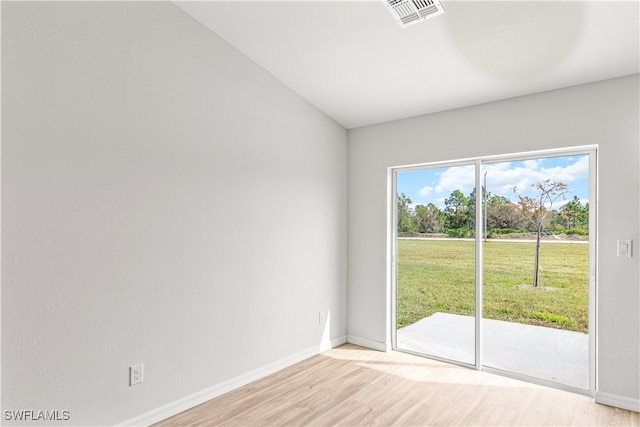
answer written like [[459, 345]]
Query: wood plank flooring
[[354, 386]]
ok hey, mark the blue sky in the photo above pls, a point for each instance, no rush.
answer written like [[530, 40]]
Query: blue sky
[[435, 185]]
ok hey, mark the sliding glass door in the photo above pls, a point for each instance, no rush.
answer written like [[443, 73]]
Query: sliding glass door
[[501, 279]]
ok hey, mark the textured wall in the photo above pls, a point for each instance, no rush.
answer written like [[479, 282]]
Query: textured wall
[[164, 200], [604, 113]]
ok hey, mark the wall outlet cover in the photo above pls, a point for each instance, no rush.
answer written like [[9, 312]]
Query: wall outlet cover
[[136, 374]]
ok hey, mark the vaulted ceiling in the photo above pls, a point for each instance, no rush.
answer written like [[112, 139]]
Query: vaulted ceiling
[[356, 64]]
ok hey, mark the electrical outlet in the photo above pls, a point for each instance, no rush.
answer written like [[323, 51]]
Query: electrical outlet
[[135, 374], [321, 318]]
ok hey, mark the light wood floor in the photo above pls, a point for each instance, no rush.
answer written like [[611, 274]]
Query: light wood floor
[[353, 386]]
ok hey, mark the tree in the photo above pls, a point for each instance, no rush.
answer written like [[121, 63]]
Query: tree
[[405, 219], [471, 206], [457, 210], [575, 215], [427, 218], [535, 210], [502, 213]]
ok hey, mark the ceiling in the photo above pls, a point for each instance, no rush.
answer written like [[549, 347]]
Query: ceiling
[[355, 63]]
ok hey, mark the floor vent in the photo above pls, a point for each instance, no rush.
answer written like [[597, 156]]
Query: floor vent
[[409, 12]]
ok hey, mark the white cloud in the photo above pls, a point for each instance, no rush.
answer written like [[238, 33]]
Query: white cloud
[[425, 191], [504, 176], [458, 178]]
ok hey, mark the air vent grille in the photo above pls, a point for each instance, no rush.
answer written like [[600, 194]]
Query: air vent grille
[[408, 12]]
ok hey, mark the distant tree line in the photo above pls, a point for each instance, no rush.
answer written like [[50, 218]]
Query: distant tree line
[[503, 216]]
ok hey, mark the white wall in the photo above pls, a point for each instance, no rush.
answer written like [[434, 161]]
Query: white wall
[[164, 200], [604, 113]]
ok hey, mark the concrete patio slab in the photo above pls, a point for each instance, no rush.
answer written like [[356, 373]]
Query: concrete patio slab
[[546, 353]]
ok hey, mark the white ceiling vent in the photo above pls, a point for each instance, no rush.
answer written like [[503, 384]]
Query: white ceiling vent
[[409, 12]]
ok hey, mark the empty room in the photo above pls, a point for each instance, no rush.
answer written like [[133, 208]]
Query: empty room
[[402, 212]]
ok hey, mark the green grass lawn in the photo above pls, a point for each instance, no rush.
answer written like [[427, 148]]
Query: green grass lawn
[[438, 276]]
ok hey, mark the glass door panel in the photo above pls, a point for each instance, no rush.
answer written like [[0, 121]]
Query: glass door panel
[[435, 262], [536, 290]]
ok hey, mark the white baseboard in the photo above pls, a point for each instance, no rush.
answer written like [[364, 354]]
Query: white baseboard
[[328, 345], [202, 396], [618, 401], [363, 342]]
